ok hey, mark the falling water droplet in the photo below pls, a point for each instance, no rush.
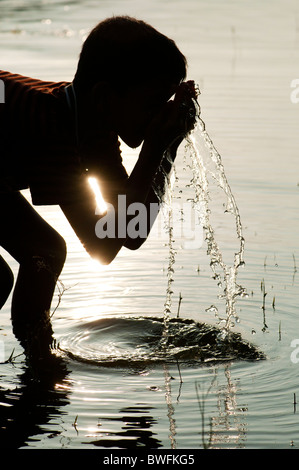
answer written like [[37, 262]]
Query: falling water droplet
[[224, 275]]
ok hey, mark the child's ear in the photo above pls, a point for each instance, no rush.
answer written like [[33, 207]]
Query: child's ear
[[101, 96]]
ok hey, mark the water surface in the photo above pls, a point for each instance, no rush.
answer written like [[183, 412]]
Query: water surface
[[244, 56]]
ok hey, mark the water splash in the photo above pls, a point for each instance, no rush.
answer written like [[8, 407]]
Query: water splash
[[169, 227], [136, 342], [206, 162], [224, 274], [163, 187]]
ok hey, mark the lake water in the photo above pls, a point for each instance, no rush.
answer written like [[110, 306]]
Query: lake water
[[244, 56]]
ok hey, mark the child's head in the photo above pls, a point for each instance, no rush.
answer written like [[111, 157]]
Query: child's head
[[124, 52]]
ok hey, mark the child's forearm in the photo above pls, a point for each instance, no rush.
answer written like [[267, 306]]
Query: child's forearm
[[164, 134], [143, 174], [152, 193], [138, 189]]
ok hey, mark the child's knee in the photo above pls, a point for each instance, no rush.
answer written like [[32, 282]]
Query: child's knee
[[51, 255], [6, 281], [58, 251]]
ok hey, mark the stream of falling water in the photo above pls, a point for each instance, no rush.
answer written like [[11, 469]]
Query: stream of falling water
[[166, 201], [204, 164]]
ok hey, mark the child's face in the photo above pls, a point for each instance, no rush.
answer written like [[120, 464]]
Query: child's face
[[134, 110]]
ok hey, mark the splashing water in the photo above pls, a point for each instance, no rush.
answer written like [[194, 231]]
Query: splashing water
[[141, 341], [225, 275], [136, 342], [168, 217], [204, 163], [164, 193]]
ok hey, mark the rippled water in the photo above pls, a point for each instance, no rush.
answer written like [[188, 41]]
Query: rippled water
[[139, 341], [244, 56]]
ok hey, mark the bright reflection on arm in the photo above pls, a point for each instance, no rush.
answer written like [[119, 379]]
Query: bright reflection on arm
[[101, 209], [101, 204]]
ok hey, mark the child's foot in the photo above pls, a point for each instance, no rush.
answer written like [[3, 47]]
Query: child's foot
[[36, 337]]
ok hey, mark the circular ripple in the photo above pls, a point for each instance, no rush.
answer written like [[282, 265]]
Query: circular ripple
[[130, 340]]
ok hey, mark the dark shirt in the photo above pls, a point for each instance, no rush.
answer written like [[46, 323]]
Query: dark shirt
[[39, 149]]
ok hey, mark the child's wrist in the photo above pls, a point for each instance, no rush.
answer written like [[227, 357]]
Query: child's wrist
[[153, 151]]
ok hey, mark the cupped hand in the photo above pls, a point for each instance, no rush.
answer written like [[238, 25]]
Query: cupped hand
[[175, 120]]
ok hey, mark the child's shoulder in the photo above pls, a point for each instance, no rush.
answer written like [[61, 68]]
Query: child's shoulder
[[37, 108], [23, 86]]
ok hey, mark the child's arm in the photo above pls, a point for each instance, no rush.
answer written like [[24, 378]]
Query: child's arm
[[164, 134], [166, 131], [85, 221]]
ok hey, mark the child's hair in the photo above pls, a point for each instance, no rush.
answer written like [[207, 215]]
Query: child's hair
[[123, 50]]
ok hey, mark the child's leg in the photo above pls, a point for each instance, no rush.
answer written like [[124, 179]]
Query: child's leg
[[6, 281], [41, 252]]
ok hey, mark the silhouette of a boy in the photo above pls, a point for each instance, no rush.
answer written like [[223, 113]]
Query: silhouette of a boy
[[53, 136]]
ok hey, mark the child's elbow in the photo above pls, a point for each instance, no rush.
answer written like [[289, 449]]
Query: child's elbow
[[134, 243], [105, 260], [104, 253]]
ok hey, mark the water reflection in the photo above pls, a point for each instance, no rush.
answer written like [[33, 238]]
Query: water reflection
[[231, 420], [227, 426], [135, 423], [34, 410], [27, 411], [170, 408], [218, 419]]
